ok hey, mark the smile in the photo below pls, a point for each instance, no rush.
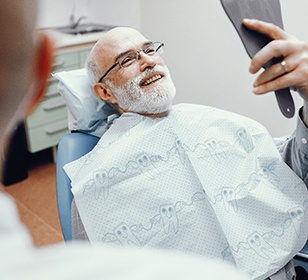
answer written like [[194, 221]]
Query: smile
[[152, 80]]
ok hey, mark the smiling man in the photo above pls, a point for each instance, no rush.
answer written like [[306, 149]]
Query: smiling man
[[144, 86]]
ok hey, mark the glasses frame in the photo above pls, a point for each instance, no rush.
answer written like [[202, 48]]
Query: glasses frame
[[138, 57]]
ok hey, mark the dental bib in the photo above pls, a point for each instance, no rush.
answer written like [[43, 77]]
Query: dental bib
[[201, 180]]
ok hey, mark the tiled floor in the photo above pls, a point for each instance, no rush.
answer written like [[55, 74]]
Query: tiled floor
[[36, 200]]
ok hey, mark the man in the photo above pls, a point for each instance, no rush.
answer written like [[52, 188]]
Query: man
[[113, 185], [25, 64]]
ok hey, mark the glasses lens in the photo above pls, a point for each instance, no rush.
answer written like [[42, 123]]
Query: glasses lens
[[128, 59], [150, 49], [154, 48]]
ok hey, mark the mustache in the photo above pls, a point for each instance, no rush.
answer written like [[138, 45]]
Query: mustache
[[157, 69]]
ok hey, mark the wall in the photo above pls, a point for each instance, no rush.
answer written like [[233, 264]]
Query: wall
[[207, 60], [53, 13], [116, 12]]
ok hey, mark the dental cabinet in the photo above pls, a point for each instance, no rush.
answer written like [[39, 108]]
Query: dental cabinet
[[48, 122]]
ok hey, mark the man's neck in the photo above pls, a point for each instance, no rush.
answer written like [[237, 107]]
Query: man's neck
[[158, 115]]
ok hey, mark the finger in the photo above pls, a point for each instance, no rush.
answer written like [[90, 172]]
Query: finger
[[274, 72], [283, 81], [269, 29], [273, 49]]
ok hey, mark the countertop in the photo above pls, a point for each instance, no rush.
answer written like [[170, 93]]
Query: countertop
[[63, 40]]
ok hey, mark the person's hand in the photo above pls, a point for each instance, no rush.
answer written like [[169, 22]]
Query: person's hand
[[292, 72]]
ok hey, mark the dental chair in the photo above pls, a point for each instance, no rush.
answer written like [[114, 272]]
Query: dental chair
[[85, 113], [71, 147]]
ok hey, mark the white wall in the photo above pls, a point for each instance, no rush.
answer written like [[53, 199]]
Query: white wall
[[53, 13], [207, 60], [116, 12]]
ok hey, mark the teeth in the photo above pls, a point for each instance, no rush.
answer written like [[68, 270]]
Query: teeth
[[152, 80]]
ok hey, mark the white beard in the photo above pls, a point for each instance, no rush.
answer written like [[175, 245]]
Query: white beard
[[132, 98]]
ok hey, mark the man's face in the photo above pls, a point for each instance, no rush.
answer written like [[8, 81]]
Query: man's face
[[143, 87], [132, 97]]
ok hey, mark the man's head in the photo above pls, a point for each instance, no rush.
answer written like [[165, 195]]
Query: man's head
[[25, 63], [138, 80]]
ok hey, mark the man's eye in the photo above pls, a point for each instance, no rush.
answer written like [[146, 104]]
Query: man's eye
[[128, 60], [149, 50]]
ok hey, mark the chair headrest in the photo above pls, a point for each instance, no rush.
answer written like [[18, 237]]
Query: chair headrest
[[86, 112]]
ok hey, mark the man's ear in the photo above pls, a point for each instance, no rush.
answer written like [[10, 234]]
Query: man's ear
[[102, 91], [42, 67]]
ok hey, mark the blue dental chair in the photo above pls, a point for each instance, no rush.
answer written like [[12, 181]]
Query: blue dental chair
[[71, 146]]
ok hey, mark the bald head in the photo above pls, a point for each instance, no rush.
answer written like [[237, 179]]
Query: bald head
[[110, 42], [25, 61], [109, 46], [17, 19]]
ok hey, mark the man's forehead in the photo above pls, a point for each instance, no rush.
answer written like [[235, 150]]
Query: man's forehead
[[123, 39], [116, 41], [123, 33]]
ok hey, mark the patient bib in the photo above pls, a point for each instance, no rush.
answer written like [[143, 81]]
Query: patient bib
[[201, 181]]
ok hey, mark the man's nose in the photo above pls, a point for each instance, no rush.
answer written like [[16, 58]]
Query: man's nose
[[146, 61]]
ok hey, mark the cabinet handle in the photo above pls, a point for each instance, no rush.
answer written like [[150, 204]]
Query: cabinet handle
[[51, 93], [52, 79], [48, 107], [56, 128], [58, 63]]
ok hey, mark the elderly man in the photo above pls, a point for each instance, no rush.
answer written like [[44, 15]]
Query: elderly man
[[192, 178], [25, 64]]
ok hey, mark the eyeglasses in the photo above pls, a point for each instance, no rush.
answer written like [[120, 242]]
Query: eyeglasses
[[129, 58]]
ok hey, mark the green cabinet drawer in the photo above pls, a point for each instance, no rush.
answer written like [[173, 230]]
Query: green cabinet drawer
[[40, 138], [48, 111], [65, 61], [83, 57], [52, 86]]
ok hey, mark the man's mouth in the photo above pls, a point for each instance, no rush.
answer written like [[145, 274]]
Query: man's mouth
[[151, 80]]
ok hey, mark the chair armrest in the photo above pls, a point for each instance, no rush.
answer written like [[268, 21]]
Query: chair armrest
[[304, 252], [71, 147]]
